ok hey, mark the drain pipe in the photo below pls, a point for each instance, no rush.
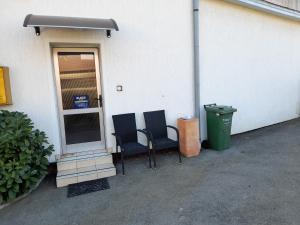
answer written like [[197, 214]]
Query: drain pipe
[[196, 4]]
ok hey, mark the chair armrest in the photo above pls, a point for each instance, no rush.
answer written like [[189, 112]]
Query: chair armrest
[[118, 139], [149, 134], [176, 130], [145, 132]]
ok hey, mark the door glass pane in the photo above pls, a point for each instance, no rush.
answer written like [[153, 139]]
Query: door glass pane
[[81, 128], [78, 80]]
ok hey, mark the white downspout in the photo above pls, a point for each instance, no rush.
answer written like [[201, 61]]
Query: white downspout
[[196, 4]]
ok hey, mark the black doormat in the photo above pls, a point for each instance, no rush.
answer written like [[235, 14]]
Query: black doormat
[[87, 187]]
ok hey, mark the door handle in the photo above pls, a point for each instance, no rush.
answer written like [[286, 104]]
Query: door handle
[[100, 100]]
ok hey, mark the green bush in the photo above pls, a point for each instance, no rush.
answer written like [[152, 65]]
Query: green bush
[[23, 152]]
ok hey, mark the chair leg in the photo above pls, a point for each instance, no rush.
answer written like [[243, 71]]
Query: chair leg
[[149, 155], [154, 157], [122, 159], [179, 155], [117, 153]]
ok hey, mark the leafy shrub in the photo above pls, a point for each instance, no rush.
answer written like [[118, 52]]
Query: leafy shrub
[[23, 152]]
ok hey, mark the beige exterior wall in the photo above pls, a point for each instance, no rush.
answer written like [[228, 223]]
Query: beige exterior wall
[[249, 59], [151, 56]]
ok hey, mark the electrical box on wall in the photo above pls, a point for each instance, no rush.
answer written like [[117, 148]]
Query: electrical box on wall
[[5, 91]]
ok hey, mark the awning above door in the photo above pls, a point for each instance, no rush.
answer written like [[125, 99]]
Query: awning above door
[[38, 21]]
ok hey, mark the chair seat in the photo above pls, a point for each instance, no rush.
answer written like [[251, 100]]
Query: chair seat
[[131, 148], [163, 143]]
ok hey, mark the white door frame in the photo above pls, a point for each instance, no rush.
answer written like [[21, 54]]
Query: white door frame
[[88, 145]]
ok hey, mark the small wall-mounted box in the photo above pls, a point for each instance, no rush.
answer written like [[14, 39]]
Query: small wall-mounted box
[[119, 88], [5, 91]]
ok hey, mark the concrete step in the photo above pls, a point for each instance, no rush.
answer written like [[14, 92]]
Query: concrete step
[[83, 159], [72, 176], [84, 166]]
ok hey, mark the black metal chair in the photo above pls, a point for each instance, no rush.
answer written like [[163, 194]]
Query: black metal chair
[[156, 127], [126, 137]]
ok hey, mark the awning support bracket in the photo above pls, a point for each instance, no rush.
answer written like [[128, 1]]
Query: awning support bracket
[[37, 31], [108, 33]]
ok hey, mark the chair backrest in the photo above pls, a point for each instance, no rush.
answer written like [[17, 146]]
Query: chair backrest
[[125, 127], [156, 123]]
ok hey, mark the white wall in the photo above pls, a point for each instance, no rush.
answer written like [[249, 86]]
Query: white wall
[[250, 60], [151, 56]]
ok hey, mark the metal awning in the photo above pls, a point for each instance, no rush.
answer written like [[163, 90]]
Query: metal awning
[[38, 21]]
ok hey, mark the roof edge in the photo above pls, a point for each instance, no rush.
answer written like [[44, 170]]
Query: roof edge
[[269, 8]]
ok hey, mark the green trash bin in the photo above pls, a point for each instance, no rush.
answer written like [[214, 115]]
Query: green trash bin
[[219, 120]]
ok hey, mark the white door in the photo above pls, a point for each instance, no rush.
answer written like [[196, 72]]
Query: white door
[[79, 98]]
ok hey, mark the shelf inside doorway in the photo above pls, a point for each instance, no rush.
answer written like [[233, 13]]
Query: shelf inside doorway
[[70, 76], [79, 89]]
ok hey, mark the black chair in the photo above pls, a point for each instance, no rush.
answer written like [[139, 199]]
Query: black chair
[[156, 128], [126, 137]]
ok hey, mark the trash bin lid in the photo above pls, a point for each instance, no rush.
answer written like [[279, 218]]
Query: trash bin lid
[[221, 109]]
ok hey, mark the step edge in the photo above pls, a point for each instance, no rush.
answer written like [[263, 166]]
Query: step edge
[[84, 157], [107, 167]]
